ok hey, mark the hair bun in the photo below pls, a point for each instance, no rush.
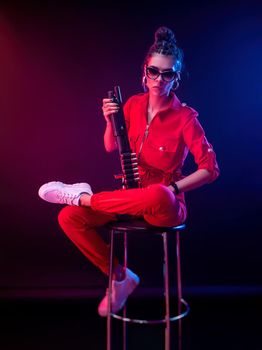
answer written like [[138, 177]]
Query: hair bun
[[165, 34]]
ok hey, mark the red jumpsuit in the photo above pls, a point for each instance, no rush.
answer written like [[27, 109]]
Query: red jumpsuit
[[161, 148]]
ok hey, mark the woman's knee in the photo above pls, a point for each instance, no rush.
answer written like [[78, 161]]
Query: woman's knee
[[161, 194], [68, 214]]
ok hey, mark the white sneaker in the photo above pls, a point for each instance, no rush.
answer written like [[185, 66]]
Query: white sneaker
[[58, 192], [120, 292]]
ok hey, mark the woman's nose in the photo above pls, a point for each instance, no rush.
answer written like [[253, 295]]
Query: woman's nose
[[159, 78]]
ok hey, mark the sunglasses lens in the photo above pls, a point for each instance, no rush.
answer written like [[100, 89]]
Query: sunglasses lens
[[169, 76], [152, 73]]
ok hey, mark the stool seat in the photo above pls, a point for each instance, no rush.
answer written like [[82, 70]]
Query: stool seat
[[132, 225]]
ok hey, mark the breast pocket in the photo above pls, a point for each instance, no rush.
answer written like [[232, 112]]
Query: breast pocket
[[161, 155]]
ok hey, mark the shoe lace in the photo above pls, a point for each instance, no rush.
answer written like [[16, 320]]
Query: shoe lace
[[66, 197]]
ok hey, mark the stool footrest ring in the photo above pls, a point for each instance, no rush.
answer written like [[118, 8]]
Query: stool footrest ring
[[141, 321]]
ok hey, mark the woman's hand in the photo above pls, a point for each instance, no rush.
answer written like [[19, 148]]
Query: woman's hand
[[109, 108]]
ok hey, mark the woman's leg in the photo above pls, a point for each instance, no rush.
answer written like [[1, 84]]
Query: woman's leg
[[79, 224], [156, 203]]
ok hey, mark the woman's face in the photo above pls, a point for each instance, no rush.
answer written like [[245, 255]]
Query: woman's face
[[160, 84]]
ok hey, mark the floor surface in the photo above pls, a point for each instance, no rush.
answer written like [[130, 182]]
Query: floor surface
[[213, 323]]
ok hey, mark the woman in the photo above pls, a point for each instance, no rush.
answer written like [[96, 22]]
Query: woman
[[161, 131]]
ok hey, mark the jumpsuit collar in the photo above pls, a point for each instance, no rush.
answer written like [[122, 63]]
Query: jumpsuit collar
[[174, 103]]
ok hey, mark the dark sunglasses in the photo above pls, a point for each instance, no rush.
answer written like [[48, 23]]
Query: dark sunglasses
[[153, 73]]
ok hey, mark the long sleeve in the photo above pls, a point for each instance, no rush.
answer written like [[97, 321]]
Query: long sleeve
[[201, 149]]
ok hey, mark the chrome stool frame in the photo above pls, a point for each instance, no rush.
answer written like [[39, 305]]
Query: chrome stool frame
[[141, 225]]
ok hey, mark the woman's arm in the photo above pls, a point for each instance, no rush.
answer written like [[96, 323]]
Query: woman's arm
[[109, 108], [198, 178], [109, 139], [204, 156]]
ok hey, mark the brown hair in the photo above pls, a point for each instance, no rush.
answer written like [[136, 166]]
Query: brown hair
[[165, 44]]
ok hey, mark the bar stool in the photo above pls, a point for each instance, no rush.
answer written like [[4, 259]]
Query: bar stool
[[139, 225]]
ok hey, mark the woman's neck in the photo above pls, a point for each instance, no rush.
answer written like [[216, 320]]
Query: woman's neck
[[156, 104]]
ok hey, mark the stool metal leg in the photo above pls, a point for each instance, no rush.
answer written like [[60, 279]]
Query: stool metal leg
[[179, 289], [109, 319], [167, 297], [124, 310], [166, 276]]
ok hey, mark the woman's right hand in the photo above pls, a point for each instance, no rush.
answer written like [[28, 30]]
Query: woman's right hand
[[109, 108]]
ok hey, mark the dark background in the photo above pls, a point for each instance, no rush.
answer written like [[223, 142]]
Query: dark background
[[57, 62]]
